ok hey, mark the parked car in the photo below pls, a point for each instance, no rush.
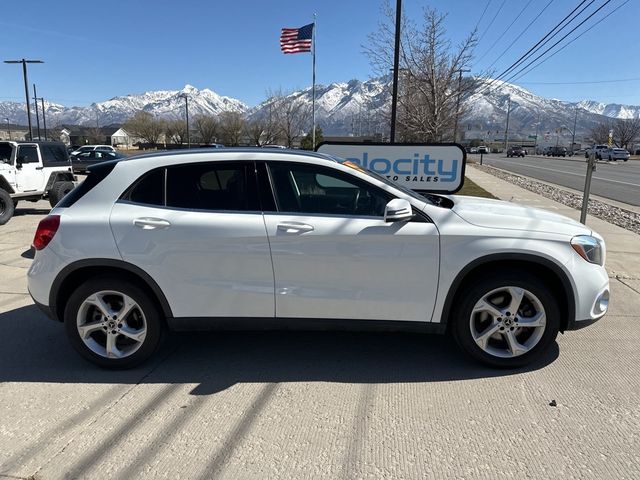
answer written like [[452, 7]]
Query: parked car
[[32, 171], [516, 151], [556, 152], [248, 238], [473, 150], [614, 154], [212, 145], [597, 149], [90, 148], [84, 160], [483, 149]]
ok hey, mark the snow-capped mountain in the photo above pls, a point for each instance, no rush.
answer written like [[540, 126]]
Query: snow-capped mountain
[[354, 107], [164, 103]]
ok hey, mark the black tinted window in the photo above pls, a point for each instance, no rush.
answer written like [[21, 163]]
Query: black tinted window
[[28, 154], [148, 189], [54, 153], [319, 190], [212, 186]]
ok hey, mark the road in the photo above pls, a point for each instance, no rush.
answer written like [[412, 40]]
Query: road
[[312, 405], [616, 180]]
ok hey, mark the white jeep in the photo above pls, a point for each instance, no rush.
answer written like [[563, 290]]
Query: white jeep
[[32, 171]]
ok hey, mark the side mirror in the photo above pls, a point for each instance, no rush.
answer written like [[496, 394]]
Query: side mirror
[[20, 161], [398, 210]]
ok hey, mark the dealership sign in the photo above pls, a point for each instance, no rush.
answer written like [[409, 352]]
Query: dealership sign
[[423, 167]]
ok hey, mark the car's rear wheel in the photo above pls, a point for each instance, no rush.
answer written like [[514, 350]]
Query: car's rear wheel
[[7, 206], [113, 323], [506, 320]]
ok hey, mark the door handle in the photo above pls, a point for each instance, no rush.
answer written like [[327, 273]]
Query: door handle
[[147, 223], [294, 227], [39, 168]]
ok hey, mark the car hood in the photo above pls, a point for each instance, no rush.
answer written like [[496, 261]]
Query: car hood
[[505, 215]]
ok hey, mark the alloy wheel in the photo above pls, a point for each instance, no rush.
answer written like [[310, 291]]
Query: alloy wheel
[[111, 324], [507, 322]]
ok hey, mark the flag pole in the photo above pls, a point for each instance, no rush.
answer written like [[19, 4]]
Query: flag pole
[[313, 85]]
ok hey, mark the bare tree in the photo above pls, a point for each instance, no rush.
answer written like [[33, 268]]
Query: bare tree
[[207, 128], [626, 132], [600, 132], [231, 128], [95, 135], [432, 91], [175, 131], [292, 116], [145, 126]]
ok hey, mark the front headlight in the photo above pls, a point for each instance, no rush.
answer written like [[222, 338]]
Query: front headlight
[[590, 248]]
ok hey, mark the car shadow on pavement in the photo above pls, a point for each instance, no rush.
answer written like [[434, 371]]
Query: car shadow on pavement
[[35, 349], [20, 211]]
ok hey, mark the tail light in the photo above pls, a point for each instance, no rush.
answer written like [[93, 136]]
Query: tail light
[[47, 228]]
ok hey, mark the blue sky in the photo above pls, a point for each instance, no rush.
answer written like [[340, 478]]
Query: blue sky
[[97, 50]]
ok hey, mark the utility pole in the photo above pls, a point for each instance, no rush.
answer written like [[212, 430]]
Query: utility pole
[[506, 131], [186, 106], [573, 137], [26, 88], [44, 119], [455, 128], [396, 64], [35, 104], [535, 145], [8, 127]]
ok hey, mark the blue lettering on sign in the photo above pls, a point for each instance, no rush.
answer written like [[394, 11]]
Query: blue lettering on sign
[[417, 165]]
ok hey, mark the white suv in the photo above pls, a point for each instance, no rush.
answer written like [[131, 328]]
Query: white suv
[[251, 238]]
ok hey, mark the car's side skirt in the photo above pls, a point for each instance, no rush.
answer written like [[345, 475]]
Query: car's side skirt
[[306, 324]]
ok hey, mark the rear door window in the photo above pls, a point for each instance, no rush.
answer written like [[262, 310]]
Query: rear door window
[[212, 186]]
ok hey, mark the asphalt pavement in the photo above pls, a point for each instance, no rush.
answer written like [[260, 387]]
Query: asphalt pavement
[[320, 405], [618, 181]]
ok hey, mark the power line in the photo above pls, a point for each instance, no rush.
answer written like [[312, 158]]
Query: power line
[[582, 83], [521, 33], [492, 20], [532, 49], [505, 31], [552, 46], [573, 40], [483, 12]]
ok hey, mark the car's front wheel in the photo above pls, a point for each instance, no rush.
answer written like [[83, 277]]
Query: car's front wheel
[[113, 322], [506, 320]]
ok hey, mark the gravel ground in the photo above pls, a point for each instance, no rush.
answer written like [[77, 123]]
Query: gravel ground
[[612, 214]]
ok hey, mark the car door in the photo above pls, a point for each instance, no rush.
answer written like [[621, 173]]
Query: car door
[[197, 230], [334, 256], [29, 174]]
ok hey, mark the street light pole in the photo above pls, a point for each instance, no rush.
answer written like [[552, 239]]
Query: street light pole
[[455, 128], [26, 88], [396, 64], [186, 106], [506, 130]]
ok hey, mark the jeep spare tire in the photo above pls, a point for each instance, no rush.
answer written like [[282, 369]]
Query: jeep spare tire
[[7, 206], [58, 191]]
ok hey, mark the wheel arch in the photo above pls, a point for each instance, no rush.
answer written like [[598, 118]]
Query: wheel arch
[[4, 185], [546, 269], [75, 273]]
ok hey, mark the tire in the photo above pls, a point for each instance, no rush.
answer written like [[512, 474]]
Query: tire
[[494, 290], [7, 207], [131, 341], [58, 191]]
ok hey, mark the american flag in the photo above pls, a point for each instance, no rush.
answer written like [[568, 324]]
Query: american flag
[[296, 40]]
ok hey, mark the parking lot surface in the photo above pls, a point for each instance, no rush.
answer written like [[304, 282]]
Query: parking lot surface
[[316, 405]]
